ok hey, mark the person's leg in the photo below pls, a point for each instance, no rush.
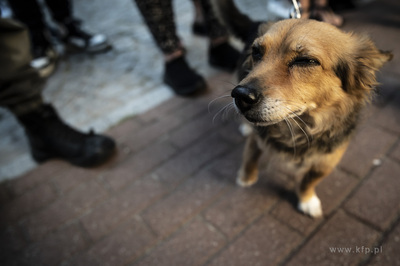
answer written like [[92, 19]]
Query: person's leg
[[20, 92], [20, 84], [70, 29], [324, 13], [159, 17], [214, 28], [61, 10], [198, 26], [320, 10], [29, 12], [220, 54]]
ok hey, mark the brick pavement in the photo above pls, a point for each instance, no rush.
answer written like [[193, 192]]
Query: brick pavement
[[169, 195]]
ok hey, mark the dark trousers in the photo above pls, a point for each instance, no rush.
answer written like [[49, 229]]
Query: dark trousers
[[20, 85], [30, 13], [159, 17]]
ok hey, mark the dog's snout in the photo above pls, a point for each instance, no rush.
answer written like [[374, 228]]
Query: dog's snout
[[245, 97]]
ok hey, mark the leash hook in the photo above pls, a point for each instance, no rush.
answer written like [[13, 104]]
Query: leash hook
[[296, 10]]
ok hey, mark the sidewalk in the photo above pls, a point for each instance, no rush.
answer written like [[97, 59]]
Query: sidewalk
[[169, 196]]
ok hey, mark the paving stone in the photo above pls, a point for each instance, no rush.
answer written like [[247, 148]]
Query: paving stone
[[190, 110], [138, 165], [385, 91], [192, 130], [338, 242], [228, 164], [137, 141], [123, 205], [366, 19], [368, 144], [125, 129], [388, 117], [334, 189], [169, 106], [11, 241], [395, 154], [5, 196], [26, 204], [57, 247], [41, 174], [64, 209], [230, 128], [122, 246], [67, 180], [188, 200], [191, 246], [241, 206], [331, 191], [267, 242], [388, 252], [201, 154], [377, 200]]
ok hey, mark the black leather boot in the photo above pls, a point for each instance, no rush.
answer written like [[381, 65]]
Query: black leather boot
[[50, 137]]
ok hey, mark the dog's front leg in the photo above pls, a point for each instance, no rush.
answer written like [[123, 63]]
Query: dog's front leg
[[309, 202], [248, 172]]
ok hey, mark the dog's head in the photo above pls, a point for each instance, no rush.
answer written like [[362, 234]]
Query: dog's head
[[301, 66]]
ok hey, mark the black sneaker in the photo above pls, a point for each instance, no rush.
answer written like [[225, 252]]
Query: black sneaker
[[50, 137], [182, 79], [80, 40], [223, 56]]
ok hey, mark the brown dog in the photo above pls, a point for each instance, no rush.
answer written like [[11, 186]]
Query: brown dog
[[302, 86]]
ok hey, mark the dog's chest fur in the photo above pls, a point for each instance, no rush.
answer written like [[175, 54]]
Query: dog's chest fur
[[294, 136]]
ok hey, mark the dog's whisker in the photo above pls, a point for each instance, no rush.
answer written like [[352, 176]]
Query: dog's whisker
[[304, 132], [222, 110], [216, 99], [302, 129], [292, 133], [228, 82], [227, 111], [298, 117]]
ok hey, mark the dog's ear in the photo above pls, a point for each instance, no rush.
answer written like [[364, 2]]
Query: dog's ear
[[357, 71]]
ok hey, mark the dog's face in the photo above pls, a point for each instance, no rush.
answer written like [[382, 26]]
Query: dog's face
[[304, 66]]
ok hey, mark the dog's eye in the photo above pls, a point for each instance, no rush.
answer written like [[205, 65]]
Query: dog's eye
[[257, 52], [302, 61]]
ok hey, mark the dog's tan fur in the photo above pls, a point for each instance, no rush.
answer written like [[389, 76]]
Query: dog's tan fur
[[302, 87]]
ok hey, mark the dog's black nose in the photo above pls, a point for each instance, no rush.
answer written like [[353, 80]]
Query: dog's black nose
[[245, 97]]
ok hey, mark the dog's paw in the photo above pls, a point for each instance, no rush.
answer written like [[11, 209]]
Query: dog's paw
[[246, 181], [311, 207]]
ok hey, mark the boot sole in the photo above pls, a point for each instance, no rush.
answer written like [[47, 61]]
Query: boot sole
[[43, 156]]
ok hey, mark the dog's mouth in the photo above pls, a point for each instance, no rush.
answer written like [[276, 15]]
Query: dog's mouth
[[263, 118], [261, 123]]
